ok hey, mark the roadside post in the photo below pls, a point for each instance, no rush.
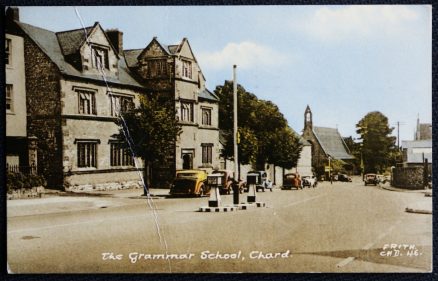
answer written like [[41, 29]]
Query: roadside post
[[236, 192], [214, 181], [252, 180]]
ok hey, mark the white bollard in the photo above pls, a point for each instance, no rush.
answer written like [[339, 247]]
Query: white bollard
[[215, 197], [251, 194]]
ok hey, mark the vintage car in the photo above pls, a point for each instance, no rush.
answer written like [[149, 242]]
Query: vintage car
[[292, 180], [226, 185], [190, 183], [309, 181], [262, 181], [371, 179], [344, 177]]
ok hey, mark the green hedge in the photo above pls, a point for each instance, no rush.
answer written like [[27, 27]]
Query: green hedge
[[20, 180]]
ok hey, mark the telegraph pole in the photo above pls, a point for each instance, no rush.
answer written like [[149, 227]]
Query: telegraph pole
[[236, 156], [236, 153]]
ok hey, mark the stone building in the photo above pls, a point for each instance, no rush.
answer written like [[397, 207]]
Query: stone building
[[325, 143], [173, 73], [423, 131], [77, 84], [21, 148]]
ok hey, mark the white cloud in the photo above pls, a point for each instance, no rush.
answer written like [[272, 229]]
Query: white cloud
[[337, 23], [245, 55]]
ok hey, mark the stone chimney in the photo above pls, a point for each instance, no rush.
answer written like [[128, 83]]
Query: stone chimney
[[116, 38], [12, 13]]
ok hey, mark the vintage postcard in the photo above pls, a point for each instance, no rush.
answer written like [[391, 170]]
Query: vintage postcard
[[212, 139]]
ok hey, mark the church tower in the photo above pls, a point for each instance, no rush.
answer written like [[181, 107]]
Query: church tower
[[308, 119]]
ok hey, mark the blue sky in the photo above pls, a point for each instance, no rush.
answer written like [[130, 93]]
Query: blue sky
[[344, 61]]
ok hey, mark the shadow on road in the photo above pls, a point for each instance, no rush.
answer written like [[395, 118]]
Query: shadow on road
[[422, 261]]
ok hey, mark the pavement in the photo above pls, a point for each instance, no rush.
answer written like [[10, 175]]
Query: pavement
[[56, 201], [423, 206]]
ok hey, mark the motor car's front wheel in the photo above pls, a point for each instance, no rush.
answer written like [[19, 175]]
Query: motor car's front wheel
[[201, 190]]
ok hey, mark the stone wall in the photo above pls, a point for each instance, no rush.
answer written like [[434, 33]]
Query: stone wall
[[44, 109], [25, 193], [409, 177]]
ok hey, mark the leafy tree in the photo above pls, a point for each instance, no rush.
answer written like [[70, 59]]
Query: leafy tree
[[264, 132], [337, 166], [151, 131], [287, 148], [355, 150], [377, 143]]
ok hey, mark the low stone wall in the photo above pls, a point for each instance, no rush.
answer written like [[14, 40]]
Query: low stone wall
[[25, 193], [408, 177], [105, 186]]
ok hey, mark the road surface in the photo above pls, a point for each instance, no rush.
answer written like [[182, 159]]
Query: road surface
[[339, 227]]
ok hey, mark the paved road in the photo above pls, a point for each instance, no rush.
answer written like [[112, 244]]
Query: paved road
[[344, 227]]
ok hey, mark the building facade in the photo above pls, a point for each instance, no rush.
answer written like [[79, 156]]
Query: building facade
[[21, 148], [77, 85], [173, 74]]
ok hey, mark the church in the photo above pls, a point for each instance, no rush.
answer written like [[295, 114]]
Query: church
[[326, 143]]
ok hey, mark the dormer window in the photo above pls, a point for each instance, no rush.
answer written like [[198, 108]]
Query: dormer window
[[156, 68], [187, 69], [100, 57]]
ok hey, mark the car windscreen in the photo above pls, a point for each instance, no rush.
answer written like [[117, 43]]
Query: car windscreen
[[186, 175]]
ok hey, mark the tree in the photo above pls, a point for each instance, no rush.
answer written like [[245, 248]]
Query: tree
[[355, 150], [150, 131], [286, 148], [264, 132], [377, 143]]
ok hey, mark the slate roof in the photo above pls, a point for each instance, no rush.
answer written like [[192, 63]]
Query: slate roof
[[206, 94], [50, 43], [424, 148], [131, 57], [70, 41], [332, 142]]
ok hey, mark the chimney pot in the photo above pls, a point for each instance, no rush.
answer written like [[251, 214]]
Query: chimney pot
[[116, 38], [13, 13]]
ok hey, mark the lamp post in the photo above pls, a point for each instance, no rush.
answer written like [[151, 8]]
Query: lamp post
[[362, 166], [235, 136], [330, 170]]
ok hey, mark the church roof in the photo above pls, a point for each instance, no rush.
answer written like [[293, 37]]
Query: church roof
[[332, 143]]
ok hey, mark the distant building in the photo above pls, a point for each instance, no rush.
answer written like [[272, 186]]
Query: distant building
[[173, 73], [423, 131], [417, 152], [325, 143]]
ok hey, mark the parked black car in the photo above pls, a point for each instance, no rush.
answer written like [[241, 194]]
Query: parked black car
[[344, 177]]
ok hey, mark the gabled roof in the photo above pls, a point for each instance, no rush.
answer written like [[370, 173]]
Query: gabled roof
[[332, 143], [206, 94], [48, 42], [72, 40], [131, 57]]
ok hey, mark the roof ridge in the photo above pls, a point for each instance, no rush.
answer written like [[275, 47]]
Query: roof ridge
[[71, 30]]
